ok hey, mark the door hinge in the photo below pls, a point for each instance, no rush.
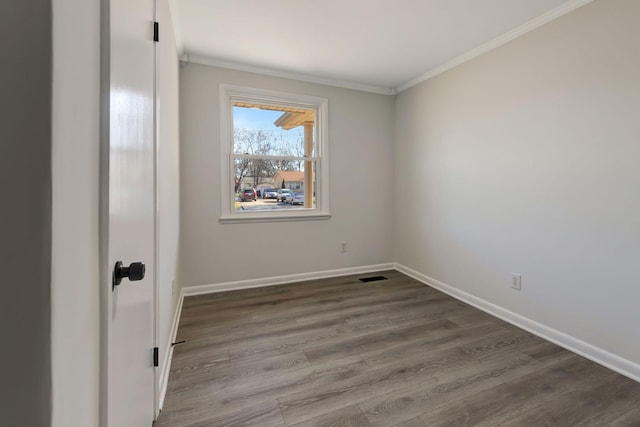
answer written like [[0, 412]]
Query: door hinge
[[156, 32], [155, 357]]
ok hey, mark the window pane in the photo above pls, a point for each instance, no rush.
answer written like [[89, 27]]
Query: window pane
[[273, 131], [278, 185], [273, 144]]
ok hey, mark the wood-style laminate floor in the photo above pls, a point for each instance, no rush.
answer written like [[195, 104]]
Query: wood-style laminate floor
[[339, 352]]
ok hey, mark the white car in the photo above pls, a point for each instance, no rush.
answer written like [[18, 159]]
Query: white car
[[269, 193], [295, 199], [282, 194]]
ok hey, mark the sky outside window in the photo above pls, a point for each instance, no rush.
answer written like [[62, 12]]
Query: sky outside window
[[256, 119]]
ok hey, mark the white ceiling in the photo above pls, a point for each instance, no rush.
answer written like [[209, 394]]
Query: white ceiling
[[370, 44]]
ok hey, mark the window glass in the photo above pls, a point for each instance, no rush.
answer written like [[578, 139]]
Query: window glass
[[275, 145]]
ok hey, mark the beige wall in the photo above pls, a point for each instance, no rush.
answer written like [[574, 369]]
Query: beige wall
[[360, 146], [526, 160]]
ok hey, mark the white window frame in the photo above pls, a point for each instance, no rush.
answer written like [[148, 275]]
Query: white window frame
[[230, 94]]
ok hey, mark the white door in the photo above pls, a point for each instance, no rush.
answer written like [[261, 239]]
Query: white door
[[130, 371]]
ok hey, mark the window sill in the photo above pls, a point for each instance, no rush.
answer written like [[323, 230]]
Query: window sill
[[247, 217]]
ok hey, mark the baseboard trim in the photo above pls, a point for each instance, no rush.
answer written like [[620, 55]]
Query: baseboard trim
[[168, 355], [281, 280], [602, 357]]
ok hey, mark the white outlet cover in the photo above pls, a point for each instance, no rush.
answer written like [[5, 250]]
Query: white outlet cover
[[516, 281]]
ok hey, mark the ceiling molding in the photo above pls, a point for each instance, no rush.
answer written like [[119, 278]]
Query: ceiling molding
[[197, 59], [175, 20], [528, 26]]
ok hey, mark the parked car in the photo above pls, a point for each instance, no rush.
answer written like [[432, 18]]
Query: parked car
[[295, 198], [269, 193], [282, 194], [248, 194]]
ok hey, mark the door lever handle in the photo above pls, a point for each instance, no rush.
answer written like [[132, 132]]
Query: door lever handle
[[134, 272]]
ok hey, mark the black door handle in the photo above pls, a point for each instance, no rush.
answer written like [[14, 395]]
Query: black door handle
[[134, 272]]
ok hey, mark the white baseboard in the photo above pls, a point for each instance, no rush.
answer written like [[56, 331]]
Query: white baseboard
[[280, 280], [591, 352], [168, 355]]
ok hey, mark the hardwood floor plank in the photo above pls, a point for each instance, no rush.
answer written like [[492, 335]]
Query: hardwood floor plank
[[317, 376], [426, 348], [471, 316], [394, 352], [307, 404], [402, 373], [513, 398], [596, 405], [263, 414], [233, 396], [185, 358], [546, 352], [217, 376], [629, 419], [433, 307], [350, 346], [413, 422], [294, 342], [435, 391], [350, 416], [260, 336], [365, 303]]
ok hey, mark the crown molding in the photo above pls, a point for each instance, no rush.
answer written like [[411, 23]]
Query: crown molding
[[198, 59], [528, 26]]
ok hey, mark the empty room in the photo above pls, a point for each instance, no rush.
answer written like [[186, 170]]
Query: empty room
[[356, 213]]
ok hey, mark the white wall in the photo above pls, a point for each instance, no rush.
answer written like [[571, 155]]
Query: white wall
[[360, 138], [75, 145], [168, 175], [526, 160]]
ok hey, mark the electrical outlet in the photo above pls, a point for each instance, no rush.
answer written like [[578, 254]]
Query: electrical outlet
[[516, 281], [343, 247]]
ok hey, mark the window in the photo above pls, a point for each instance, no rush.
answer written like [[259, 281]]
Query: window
[[273, 156]]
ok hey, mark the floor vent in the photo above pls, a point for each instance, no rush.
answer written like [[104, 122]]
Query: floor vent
[[372, 279]]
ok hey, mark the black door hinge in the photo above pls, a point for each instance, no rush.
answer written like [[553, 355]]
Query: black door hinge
[[155, 357], [156, 32]]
